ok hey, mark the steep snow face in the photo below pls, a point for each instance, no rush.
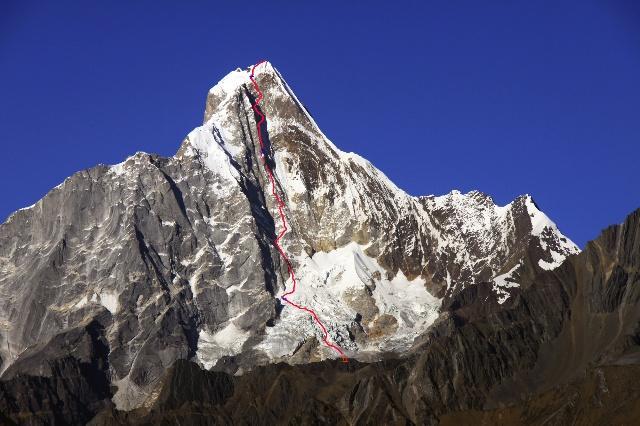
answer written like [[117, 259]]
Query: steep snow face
[[217, 159], [552, 241], [364, 311]]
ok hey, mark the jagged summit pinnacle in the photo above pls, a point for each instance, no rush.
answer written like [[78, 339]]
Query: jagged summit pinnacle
[[240, 76], [233, 82]]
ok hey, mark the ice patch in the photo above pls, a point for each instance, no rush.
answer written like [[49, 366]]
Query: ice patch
[[214, 155], [109, 300], [503, 283], [230, 83], [80, 303], [228, 341], [291, 180], [118, 169], [557, 261], [540, 221]]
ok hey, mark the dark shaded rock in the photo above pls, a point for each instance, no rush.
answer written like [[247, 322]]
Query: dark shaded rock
[[186, 382], [73, 394]]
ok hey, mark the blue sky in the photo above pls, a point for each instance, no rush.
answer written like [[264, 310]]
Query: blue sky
[[507, 97]]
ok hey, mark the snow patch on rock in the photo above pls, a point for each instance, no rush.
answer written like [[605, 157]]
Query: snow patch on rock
[[213, 346], [109, 300], [505, 282]]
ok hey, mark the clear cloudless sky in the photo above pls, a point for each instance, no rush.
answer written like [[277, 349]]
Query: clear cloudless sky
[[507, 97]]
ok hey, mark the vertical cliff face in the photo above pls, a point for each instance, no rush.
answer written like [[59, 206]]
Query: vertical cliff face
[[172, 258]]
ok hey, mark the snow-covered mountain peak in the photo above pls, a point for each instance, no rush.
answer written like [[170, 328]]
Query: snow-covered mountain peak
[[233, 84], [239, 77], [335, 197], [175, 256]]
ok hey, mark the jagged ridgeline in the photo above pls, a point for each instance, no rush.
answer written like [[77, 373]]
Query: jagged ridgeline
[[126, 283]]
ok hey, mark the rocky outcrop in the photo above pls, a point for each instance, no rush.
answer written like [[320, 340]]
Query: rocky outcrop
[[64, 389]]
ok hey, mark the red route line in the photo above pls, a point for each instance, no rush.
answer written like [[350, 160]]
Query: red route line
[[281, 206]]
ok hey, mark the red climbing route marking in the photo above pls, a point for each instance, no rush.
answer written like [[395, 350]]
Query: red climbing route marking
[[281, 206]]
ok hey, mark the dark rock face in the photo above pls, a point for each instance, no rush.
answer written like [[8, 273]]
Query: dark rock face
[[66, 390], [605, 395]]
